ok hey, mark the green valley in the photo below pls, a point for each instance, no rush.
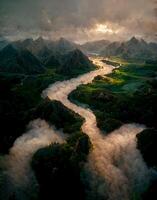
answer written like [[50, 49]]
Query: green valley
[[122, 96]]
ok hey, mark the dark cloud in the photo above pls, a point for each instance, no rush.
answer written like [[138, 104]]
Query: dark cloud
[[78, 19]]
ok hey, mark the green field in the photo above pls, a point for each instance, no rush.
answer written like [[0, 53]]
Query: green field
[[126, 95]]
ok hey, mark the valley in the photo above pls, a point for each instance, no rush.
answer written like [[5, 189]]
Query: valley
[[78, 100], [102, 157], [99, 165], [86, 133]]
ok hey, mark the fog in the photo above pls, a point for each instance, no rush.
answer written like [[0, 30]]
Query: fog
[[19, 179], [115, 168]]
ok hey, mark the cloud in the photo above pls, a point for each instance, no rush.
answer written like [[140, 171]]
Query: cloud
[[17, 175], [76, 19]]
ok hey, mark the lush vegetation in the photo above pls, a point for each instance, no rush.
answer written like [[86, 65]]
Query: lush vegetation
[[126, 95], [20, 102], [58, 168], [19, 94]]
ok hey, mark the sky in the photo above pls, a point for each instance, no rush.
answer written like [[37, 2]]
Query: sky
[[79, 20]]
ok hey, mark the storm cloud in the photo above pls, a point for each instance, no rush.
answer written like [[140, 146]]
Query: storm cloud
[[78, 20]]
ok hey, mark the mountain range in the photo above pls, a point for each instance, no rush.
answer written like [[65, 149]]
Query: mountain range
[[132, 49], [33, 56], [42, 48], [13, 60]]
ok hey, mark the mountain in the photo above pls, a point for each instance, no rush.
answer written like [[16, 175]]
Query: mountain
[[38, 47], [44, 54], [54, 61], [75, 62], [63, 46], [61, 55], [43, 49], [14, 60], [132, 49], [111, 49], [95, 46]]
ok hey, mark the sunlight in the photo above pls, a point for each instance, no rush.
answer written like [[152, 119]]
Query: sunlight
[[103, 28]]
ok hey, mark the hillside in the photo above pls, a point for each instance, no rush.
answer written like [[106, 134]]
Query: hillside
[[75, 62], [122, 96], [22, 83], [63, 46], [13, 60]]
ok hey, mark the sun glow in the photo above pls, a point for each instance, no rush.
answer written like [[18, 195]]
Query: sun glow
[[103, 28]]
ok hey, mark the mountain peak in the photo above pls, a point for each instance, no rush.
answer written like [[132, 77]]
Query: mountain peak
[[133, 40], [75, 62], [63, 39], [40, 39], [76, 54], [63, 45], [27, 41]]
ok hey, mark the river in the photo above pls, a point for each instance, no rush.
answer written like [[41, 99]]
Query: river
[[115, 169]]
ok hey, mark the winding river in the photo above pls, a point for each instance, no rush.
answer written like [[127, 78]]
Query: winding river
[[115, 169]]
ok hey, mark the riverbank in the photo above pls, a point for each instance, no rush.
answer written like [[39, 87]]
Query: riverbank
[[103, 162]]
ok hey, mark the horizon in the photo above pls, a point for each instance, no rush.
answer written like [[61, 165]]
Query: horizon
[[75, 42], [79, 21]]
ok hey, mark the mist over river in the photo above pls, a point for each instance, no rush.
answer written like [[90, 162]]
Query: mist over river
[[115, 169]]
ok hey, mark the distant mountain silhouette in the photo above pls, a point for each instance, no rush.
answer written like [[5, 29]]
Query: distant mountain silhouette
[[64, 46], [38, 47], [13, 60], [95, 46], [43, 49], [132, 49], [26, 57], [110, 49]]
